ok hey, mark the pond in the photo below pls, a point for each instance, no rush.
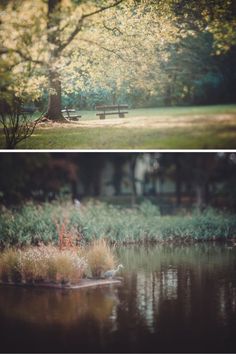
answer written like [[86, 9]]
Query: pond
[[172, 299]]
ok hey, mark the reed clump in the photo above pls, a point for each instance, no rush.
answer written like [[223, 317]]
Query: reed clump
[[100, 257], [41, 264]]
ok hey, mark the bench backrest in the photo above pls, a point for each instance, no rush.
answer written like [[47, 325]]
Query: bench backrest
[[67, 110], [28, 109], [111, 107]]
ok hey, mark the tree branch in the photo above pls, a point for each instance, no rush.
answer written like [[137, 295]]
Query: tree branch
[[22, 55], [112, 51], [80, 23], [112, 29]]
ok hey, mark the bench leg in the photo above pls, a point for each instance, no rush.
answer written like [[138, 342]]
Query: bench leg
[[102, 116], [121, 115]]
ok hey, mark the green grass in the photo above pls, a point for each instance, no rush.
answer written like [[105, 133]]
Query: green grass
[[218, 137], [206, 127], [37, 223]]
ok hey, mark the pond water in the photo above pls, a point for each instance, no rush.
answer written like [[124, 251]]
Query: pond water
[[172, 299]]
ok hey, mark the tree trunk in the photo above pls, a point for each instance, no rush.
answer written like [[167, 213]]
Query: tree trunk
[[54, 96], [117, 177], [199, 196], [178, 180], [132, 167], [54, 99]]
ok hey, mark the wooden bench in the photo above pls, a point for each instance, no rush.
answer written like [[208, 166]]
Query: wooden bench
[[27, 110], [70, 114], [120, 109]]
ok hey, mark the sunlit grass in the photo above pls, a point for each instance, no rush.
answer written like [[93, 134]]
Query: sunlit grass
[[218, 137]]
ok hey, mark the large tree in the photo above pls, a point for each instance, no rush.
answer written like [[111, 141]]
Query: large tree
[[37, 38], [120, 44]]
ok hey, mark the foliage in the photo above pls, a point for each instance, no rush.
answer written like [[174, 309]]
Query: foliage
[[43, 263], [34, 224], [66, 236], [100, 257], [39, 177]]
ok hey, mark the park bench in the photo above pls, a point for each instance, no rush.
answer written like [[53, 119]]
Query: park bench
[[120, 109], [28, 109], [70, 114]]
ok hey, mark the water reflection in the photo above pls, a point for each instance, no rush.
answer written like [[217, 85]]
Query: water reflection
[[57, 307], [173, 299]]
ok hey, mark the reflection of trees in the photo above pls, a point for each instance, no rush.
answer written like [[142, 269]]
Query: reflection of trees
[[49, 307], [175, 293]]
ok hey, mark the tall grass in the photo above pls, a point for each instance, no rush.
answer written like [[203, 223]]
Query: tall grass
[[33, 224], [41, 264], [100, 257]]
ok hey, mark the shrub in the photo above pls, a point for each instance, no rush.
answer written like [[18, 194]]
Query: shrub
[[100, 257]]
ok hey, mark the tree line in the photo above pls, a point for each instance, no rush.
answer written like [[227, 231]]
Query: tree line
[[48, 176]]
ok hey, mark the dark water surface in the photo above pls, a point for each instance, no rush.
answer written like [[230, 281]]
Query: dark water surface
[[172, 299]]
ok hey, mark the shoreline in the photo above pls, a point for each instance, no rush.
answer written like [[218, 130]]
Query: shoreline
[[84, 283]]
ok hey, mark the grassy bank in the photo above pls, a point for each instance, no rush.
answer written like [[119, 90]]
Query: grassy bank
[[207, 127], [33, 224]]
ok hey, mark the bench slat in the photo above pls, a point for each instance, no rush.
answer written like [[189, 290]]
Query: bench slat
[[68, 110], [108, 113], [73, 117], [111, 107], [27, 110]]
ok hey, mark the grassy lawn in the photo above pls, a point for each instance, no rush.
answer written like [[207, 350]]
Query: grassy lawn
[[204, 127]]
